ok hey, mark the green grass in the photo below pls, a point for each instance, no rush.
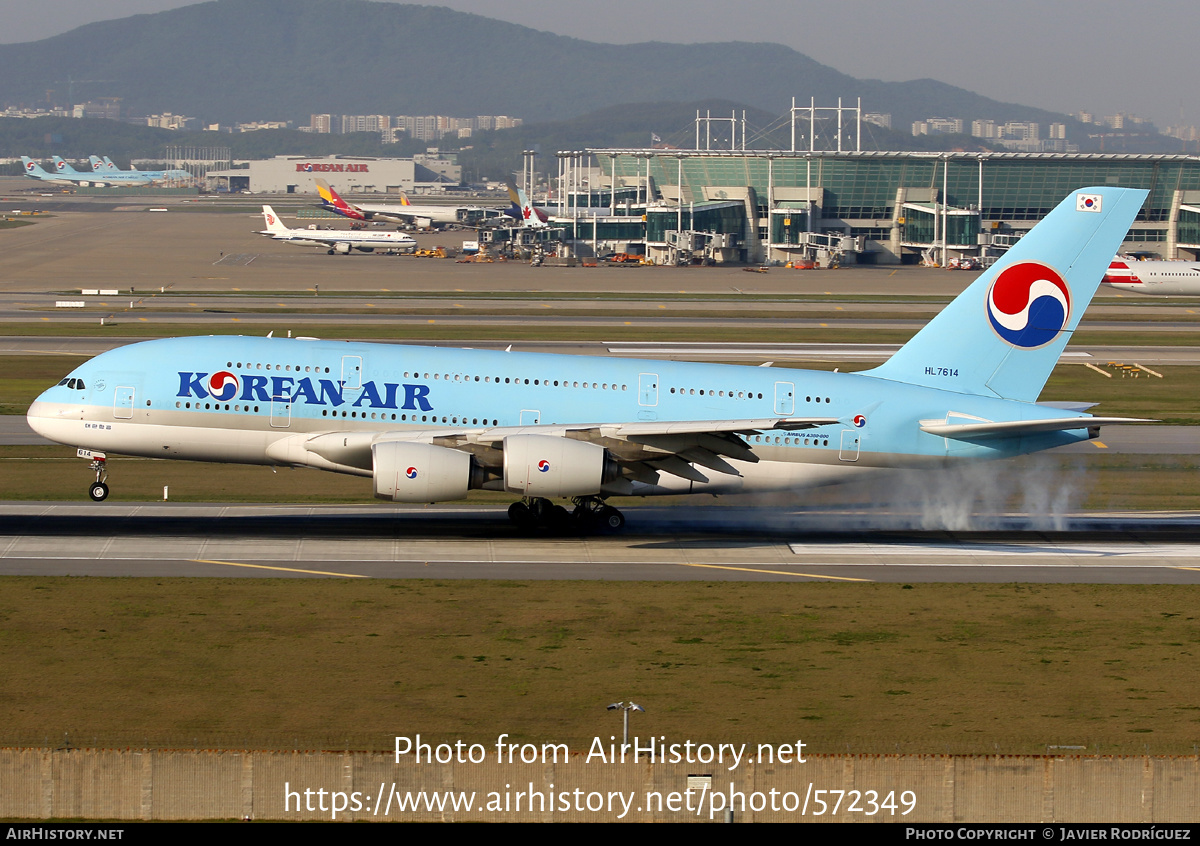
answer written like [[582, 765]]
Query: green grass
[[866, 667]]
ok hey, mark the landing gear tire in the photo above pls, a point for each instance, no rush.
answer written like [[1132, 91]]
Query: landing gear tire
[[98, 492], [591, 512], [520, 515], [611, 518]]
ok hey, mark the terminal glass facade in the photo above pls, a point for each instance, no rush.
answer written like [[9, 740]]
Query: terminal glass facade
[[873, 194]]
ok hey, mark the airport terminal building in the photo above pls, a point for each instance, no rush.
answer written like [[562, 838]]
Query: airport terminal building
[[866, 207]]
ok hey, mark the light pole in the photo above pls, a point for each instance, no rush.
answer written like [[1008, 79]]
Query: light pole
[[625, 707]]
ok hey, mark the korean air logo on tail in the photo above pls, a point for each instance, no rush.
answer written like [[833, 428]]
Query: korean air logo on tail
[[223, 386], [30, 165], [1028, 305]]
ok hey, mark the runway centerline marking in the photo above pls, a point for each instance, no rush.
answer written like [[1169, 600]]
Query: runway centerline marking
[[282, 569], [775, 572]]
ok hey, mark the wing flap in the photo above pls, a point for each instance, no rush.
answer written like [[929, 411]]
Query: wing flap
[[1018, 428]]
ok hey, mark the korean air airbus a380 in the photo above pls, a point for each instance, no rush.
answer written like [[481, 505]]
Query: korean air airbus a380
[[429, 424]]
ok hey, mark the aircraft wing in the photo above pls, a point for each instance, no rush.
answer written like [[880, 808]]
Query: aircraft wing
[[643, 449], [1017, 428]]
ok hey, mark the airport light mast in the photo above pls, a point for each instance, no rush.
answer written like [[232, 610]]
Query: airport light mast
[[625, 707]]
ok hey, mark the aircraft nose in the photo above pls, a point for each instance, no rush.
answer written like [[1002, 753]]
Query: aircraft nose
[[50, 419], [38, 414]]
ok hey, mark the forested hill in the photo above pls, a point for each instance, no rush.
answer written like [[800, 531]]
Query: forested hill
[[240, 60]]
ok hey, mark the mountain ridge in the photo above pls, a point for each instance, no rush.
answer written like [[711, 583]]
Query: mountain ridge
[[239, 60]]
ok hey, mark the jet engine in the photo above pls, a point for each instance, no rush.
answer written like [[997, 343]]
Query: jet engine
[[411, 472], [548, 466], [341, 247]]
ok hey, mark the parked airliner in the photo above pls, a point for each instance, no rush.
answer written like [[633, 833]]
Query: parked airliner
[[64, 174], [422, 217], [429, 424], [336, 240], [107, 166], [1155, 278]]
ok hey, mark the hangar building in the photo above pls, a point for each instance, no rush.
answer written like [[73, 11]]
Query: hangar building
[[348, 174]]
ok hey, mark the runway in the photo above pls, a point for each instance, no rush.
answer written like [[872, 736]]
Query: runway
[[712, 543]]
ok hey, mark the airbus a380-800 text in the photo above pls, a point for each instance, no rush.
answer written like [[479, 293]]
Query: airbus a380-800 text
[[430, 424]]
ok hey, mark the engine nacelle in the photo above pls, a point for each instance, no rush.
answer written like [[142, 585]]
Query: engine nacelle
[[341, 247], [409, 472], [544, 465]]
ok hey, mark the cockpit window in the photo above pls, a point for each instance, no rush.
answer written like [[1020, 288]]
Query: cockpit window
[[63, 382], [74, 384], [79, 384]]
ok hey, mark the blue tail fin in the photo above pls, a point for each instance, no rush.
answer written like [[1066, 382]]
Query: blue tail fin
[[1003, 335], [33, 169]]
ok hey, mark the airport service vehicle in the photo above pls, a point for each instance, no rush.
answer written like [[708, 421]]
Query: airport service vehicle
[[106, 166], [429, 424], [422, 217], [336, 240], [1154, 278]]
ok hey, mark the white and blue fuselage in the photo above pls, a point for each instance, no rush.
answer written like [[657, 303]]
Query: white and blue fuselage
[[429, 423], [244, 399]]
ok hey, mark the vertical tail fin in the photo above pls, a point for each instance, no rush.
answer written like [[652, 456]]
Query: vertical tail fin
[[1003, 335], [331, 201], [525, 211], [33, 169], [274, 224], [62, 167], [97, 164]]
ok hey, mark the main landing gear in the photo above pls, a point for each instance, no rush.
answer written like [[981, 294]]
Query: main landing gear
[[590, 513], [99, 490]]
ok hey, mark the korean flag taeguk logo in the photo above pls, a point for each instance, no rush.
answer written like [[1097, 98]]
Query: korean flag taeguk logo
[[1029, 304], [223, 386]]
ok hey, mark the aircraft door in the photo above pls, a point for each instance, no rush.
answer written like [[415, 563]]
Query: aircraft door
[[352, 366], [648, 389], [281, 412], [851, 441], [785, 397], [530, 417], [123, 403]]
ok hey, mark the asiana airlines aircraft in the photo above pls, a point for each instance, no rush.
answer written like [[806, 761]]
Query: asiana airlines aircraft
[[430, 424]]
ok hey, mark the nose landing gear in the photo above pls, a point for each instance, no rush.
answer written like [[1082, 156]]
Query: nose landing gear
[[98, 490]]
